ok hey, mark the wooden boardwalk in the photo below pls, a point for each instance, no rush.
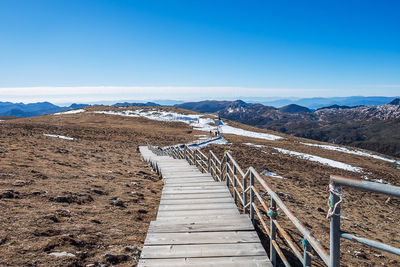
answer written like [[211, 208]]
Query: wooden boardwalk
[[198, 223]]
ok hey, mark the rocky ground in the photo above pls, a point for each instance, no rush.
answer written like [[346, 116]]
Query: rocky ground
[[304, 191], [89, 201], [82, 202]]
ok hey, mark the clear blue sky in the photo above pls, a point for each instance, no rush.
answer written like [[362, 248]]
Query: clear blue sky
[[191, 49]]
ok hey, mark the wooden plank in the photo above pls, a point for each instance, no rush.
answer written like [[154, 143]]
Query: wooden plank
[[188, 182], [196, 196], [194, 191], [188, 179], [203, 250], [218, 226], [202, 206], [183, 185], [209, 212], [198, 223], [194, 187], [179, 170], [182, 175], [241, 218], [230, 237], [249, 261], [195, 201], [167, 171]]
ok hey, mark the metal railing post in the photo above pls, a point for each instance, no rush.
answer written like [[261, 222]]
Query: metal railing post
[[251, 197], [244, 193], [209, 163], [334, 260], [234, 183], [307, 253], [226, 169], [272, 251], [220, 169]]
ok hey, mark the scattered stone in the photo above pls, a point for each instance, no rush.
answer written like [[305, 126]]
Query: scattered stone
[[320, 209], [116, 259], [63, 199], [78, 198], [146, 175], [36, 193], [379, 256], [360, 254], [9, 193], [54, 219], [81, 254], [133, 249], [97, 191], [62, 254], [284, 195], [95, 221], [19, 183], [142, 211], [115, 230], [119, 203]]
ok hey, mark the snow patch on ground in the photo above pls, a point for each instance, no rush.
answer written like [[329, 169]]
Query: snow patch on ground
[[74, 111], [226, 129], [381, 181], [354, 152], [219, 141], [325, 161], [62, 254], [254, 145], [197, 121], [59, 136], [272, 174]]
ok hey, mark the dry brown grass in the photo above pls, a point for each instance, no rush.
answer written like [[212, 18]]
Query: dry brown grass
[[103, 164], [99, 167]]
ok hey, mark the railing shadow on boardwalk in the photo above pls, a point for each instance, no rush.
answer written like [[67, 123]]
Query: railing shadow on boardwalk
[[250, 191]]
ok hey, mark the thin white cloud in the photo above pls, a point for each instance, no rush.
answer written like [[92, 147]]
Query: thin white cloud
[[82, 94], [383, 85]]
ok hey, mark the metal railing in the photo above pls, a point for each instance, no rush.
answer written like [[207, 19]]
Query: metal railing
[[249, 191], [334, 202]]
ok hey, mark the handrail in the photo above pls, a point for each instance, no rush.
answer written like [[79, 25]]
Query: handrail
[[247, 193], [335, 200], [386, 189]]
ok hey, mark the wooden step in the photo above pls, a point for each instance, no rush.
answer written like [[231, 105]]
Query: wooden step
[[209, 212], [230, 237], [248, 261], [202, 250], [196, 196], [202, 206], [196, 201]]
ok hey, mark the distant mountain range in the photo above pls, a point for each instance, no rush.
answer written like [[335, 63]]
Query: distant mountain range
[[33, 109], [289, 105], [44, 108], [319, 102], [373, 127]]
